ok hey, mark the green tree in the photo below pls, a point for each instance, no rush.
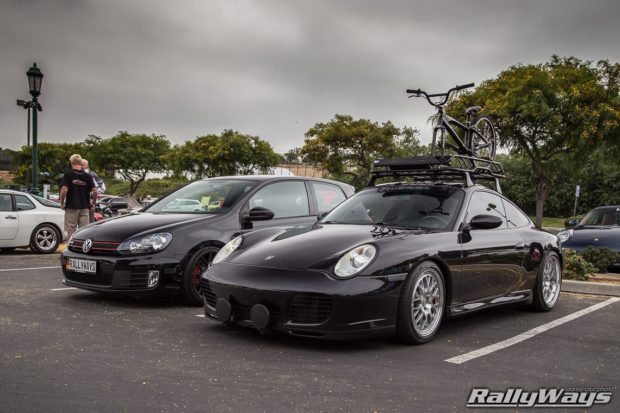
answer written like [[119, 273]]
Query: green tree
[[131, 156], [230, 153], [548, 111], [346, 147], [53, 161]]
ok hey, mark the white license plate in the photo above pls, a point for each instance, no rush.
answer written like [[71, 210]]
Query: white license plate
[[85, 266]]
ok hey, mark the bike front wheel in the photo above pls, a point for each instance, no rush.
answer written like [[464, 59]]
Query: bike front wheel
[[484, 138]]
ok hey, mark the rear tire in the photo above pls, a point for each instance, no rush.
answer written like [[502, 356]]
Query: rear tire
[[45, 239], [422, 305], [198, 264], [548, 283], [479, 147]]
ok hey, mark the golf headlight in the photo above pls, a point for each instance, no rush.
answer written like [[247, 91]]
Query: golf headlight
[[148, 243], [227, 249], [565, 235], [355, 261]]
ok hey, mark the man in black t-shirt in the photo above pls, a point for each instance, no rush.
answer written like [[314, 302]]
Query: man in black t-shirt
[[77, 195]]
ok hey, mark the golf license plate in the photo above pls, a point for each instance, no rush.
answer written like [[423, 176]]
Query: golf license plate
[[85, 266]]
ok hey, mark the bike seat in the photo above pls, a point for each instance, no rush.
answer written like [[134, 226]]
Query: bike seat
[[473, 110]]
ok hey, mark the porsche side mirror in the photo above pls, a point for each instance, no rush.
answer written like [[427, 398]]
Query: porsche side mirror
[[259, 214], [322, 215], [483, 221]]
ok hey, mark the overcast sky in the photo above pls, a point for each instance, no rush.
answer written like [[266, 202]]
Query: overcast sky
[[269, 68]]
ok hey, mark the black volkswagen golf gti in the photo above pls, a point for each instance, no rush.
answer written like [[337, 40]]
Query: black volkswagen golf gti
[[169, 244], [393, 259]]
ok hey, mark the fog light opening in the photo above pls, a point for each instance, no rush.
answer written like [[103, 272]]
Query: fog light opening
[[153, 278]]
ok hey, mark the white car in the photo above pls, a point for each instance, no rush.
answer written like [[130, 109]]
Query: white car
[[30, 221]]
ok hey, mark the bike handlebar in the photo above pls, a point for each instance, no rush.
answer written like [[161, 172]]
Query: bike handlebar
[[420, 92]]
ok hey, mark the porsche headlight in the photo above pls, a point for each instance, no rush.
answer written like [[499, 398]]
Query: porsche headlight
[[355, 261], [228, 249], [148, 243], [565, 235]]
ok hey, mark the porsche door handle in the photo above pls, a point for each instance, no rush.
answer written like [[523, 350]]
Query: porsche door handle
[[10, 217]]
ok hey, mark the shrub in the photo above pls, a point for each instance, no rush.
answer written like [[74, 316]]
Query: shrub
[[576, 267], [601, 258]]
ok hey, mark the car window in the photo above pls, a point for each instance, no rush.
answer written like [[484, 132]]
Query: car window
[[602, 216], [425, 207], [23, 203], [213, 196], [327, 195], [486, 203], [514, 216], [46, 202], [6, 204], [284, 199]]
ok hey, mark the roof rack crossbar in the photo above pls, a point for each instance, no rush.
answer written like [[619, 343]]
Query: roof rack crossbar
[[457, 167]]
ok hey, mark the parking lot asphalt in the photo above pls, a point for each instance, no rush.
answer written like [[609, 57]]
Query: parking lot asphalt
[[67, 350]]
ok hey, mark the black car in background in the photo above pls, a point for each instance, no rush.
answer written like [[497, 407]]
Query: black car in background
[[600, 228], [169, 244], [393, 259]]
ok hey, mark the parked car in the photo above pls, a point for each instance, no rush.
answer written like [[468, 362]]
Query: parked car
[[165, 248], [600, 228], [394, 259], [29, 221]]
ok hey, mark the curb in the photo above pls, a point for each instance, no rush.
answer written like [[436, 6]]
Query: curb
[[585, 287]]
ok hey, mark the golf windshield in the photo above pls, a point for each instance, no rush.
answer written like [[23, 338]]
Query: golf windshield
[[215, 196], [425, 207]]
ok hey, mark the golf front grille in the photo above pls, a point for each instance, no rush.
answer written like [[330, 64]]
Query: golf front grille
[[310, 308]]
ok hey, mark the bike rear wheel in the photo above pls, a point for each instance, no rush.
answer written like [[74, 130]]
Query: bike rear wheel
[[484, 143]]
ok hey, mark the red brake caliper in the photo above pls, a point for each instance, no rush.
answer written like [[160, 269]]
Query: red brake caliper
[[196, 275]]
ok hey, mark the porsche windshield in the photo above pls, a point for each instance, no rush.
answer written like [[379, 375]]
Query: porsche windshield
[[204, 197], [425, 207]]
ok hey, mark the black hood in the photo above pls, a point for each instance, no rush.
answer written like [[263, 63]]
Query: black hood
[[311, 246], [127, 226]]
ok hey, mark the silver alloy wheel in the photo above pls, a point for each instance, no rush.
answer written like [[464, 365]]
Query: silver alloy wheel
[[427, 302], [46, 238], [551, 280]]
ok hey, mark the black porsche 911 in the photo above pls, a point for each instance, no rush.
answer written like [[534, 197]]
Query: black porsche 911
[[394, 259]]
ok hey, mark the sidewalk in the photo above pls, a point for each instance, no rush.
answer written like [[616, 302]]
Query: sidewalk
[[600, 284]]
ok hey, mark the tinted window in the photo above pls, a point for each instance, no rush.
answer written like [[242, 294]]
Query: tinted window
[[400, 206], [486, 203], [215, 196], [515, 217], [5, 203], [327, 196], [285, 199], [23, 203]]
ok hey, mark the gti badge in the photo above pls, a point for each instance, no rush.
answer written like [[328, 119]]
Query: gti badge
[[87, 245]]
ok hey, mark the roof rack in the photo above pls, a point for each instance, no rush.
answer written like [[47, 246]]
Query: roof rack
[[452, 168]]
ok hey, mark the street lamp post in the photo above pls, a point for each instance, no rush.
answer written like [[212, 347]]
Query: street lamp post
[[35, 78]]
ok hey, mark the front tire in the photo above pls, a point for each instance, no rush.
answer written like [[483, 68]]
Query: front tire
[[485, 146], [198, 264], [422, 305], [548, 283], [45, 239]]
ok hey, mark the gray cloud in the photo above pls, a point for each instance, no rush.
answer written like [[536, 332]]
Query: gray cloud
[[270, 68]]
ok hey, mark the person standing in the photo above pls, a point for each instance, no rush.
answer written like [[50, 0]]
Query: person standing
[[77, 195], [99, 185]]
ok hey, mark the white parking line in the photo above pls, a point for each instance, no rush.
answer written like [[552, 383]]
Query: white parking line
[[528, 334], [63, 289], [28, 269]]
